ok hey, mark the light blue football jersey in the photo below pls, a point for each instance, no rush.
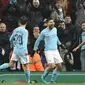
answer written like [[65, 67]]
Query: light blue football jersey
[[50, 38], [83, 39], [19, 40]]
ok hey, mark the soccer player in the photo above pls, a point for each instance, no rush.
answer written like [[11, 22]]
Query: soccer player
[[19, 40], [49, 34]]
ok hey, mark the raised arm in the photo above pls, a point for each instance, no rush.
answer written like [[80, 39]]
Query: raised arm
[[78, 5], [41, 36], [81, 44]]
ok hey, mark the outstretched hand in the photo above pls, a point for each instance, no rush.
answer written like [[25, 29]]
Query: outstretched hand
[[63, 46], [75, 49]]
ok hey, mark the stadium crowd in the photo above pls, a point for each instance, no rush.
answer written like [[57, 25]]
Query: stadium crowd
[[69, 16]]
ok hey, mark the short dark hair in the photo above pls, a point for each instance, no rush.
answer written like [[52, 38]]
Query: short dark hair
[[67, 15], [82, 22], [62, 21], [23, 20], [48, 19]]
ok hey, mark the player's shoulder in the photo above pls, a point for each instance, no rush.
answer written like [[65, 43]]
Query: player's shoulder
[[25, 30], [16, 29], [44, 30], [22, 29], [55, 28]]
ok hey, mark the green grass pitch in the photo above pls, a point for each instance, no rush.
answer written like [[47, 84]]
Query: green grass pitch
[[65, 78], [46, 84]]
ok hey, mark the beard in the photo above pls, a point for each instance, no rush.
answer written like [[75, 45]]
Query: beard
[[51, 27]]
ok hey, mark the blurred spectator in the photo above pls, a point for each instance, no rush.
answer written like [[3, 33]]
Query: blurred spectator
[[4, 44], [82, 1], [36, 14], [33, 38], [61, 30], [2, 4], [11, 14], [23, 4], [58, 12], [82, 47], [76, 55], [71, 9], [69, 61], [80, 13], [64, 5], [71, 32], [66, 34], [73, 41]]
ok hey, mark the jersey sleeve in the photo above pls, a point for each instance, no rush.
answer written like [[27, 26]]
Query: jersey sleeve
[[12, 39], [25, 39], [41, 37], [58, 41]]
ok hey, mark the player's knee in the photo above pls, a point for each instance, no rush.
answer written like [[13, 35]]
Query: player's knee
[[59, 67], [51, 66], [11, 65]]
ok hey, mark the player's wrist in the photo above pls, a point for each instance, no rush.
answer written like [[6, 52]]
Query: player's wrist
[[63, 46]]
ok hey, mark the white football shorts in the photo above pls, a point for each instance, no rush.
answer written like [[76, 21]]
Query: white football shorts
[[53, 57], [23, 59]]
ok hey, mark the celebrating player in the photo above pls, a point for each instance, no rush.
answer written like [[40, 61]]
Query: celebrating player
[[19, 40], [53, 58]]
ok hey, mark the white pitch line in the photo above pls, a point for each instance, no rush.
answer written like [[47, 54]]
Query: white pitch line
[[41, 74]]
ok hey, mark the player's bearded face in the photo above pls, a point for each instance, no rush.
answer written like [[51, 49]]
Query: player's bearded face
[[51, 24]]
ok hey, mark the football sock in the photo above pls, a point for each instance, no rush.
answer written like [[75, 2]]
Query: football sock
[[46, 72], [27, 75], [54, 75], [4, 66]]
